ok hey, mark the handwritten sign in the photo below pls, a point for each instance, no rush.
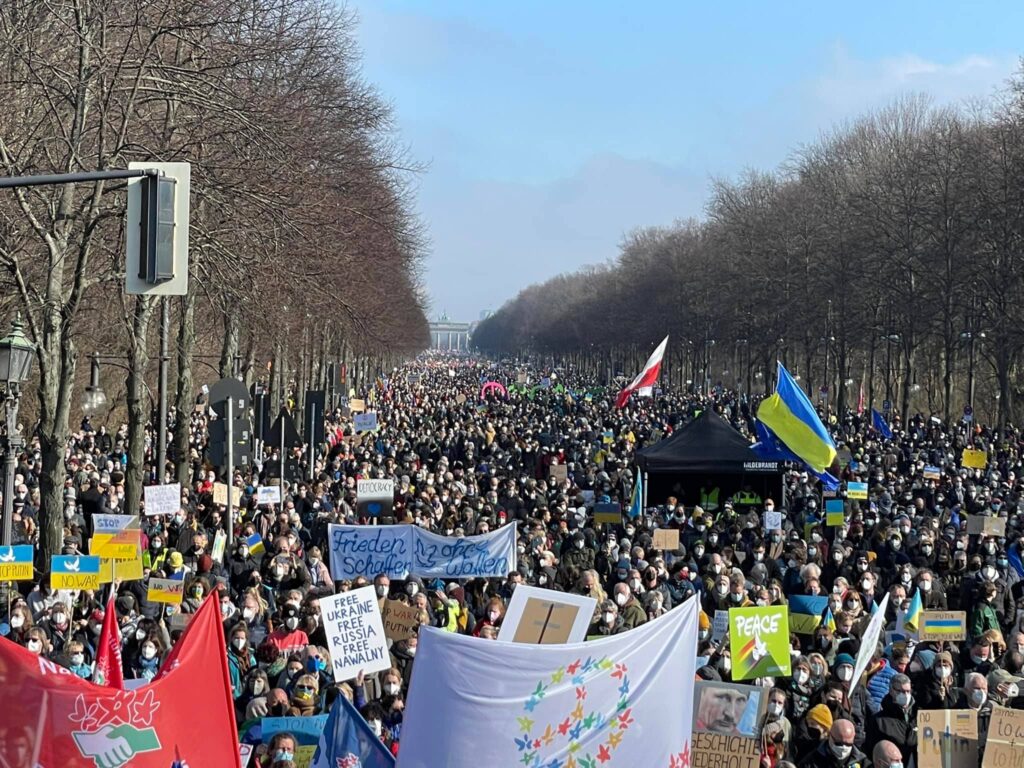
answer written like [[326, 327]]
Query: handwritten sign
[[986, 526], [306, 730], [357, 405], [168, 591], [364, 422], [558, 473], [355, 633], [943, 625], [773, 520], [1005, 737], [947, 738], [715, 750], [220, 494], [401, 621], [376, 498], [666, 539], [162, 499], [268, 494]]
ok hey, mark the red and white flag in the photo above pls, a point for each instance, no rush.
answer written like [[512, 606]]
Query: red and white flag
[[108, 670], [647, 377]]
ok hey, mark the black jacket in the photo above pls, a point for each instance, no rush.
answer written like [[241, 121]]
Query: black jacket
[[822, 757], [894, 724]]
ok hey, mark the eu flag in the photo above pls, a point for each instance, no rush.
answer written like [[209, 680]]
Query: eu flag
[[347, 741], [878, 422]]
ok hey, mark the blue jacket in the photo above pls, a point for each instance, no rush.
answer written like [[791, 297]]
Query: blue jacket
[[878, 686]]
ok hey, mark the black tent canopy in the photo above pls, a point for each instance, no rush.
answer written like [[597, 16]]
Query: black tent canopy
[[707, 453]]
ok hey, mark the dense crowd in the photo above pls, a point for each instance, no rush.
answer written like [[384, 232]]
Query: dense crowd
[[463, 466]]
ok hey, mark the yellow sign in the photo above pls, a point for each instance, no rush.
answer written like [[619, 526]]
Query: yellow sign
[[974, 459], [169, 591], [125, 569], [16, 563], [75, 581], [116, 536]]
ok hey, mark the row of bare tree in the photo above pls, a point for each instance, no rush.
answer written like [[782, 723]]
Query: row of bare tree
[[888, 256], [304, 245]]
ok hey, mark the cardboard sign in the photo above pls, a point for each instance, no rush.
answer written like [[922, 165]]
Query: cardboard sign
[[364, 422], [943, 625], [460, 399], [268, 494], [728, 709], [972, 458], [1005, 736], [220, 495], [558, 473], [719, 625], [357, 406], [16, 563], [168, 591], [986, 526], [759, 642], [162, 499], [947, 738], [666, 539], [116, 536], [609, 514], [715, 750], [541, 616], [857, 490], [773, 520], [74, 572], [355, 633], [375, 498], [122, 569], [401, 621]]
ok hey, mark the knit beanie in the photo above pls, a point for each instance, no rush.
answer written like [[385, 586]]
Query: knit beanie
[[821, 716]]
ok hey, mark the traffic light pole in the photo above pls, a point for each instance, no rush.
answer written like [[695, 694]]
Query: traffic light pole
[[230, 477], [50, 179], [161, 431]]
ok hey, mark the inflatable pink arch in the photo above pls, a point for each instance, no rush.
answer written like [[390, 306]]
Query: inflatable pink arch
[[493, 386]]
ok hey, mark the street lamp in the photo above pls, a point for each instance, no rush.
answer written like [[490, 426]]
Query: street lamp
[[16, 353], [95, 399]]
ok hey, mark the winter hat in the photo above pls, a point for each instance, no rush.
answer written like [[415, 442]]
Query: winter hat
[[844, 658], [176, 560], [821, 716], [943, 656]]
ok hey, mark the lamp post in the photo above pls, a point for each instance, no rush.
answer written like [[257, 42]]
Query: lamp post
[[16, 353], [95, 399]]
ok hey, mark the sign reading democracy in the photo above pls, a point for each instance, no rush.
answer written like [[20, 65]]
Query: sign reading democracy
[[375, 497], [355, 633], [405, 550]]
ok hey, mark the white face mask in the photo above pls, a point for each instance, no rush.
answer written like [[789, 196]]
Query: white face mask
[[257, 687], [34, 645], [17, 621], [774, 708], [902, 699], [844, 673], [978, 696], [59, 619], [801, 676], [865, 584], [291, 623], [148, 651], [375, 726], [411, 650], [1012, 690], [381, 590], [248, 613], [77, 659], [842, 751], [391, 688], [943, 672], [621, 598], [608, 617], [239, 643]]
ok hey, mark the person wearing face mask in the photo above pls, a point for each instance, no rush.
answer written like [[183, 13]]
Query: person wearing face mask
[[305, 697], [76, 661], [147, 664], [983, 615], [631, 612], [838, 750], [936, 688], [778, 728], [975, 696], [933, 598], [493, 613], [1005, 689], [608, 621], [241, 659], [717, 597], [36, 642], [896, 722], [321, 583], [800, 689], [811, 732], [981, 657], [288, 638]]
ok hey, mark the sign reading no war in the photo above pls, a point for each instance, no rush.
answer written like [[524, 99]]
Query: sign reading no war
[[405, 550]]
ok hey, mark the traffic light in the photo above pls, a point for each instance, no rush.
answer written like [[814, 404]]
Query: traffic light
[[156, 229]]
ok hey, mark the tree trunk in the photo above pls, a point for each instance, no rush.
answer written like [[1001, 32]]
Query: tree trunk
[[138, 358], [183, 391], [57, 358]]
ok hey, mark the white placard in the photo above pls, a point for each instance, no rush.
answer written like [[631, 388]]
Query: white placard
[[268, 494], [355, 633], [720, 625], [772, 520], [162, 499], [524, 593], [364, 422]]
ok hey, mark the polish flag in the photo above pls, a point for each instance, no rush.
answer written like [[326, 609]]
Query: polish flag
[[647, 376]]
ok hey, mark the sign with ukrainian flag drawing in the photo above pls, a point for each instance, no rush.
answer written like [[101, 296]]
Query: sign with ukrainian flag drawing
[[74, 572], [944, 625], [168, 591], [759, 642], [857, 490], [16, 563], [116, 536]]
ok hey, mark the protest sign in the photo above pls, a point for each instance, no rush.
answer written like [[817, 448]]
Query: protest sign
[[460, 399], [1005, 736], [947, 738], [943, 625], [400, 620], [558, 473], [986, 526], [973, 459], [728, 709], [121, 568], [719, 625], [834, 515], [169, 591], [403, 550], [115, 536], [375, 498], [304, 755], [268, 494], [609, 513], [715, 750], [245, 754], [16, 563], [364, 422], [540, 616], [357, 405], [666, 539], [220, 541], [74, 572], [355, 633], [869, 641], [220, 495], [932, 473], [179, 621], [844, 456], [759, 642], [306, 730], [772, 520], [162, 499], [857, 490]]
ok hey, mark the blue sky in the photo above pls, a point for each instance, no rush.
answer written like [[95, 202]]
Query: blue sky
[[551, 129]]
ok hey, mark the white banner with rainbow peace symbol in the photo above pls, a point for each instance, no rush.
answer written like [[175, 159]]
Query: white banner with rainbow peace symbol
[[625, 700]]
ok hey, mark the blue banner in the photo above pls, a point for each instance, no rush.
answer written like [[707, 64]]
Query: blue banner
[[306, 730], [405, 550]]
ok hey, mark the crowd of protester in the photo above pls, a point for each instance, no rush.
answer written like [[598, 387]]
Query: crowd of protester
[[463, 466]]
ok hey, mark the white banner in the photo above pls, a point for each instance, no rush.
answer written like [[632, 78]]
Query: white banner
[[403, 550], [162, 499], [869, 640], [624, 700], [355, 633]]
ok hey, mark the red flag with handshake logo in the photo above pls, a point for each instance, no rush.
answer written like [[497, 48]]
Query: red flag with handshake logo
[[108, 670], [184, 715]]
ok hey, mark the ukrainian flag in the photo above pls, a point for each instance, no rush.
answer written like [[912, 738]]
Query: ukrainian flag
[[637, 501], [805, 613], [255, 543], [791, 416], [913, 618], [828, 620]]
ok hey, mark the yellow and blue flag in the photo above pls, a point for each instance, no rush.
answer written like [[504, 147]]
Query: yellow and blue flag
[[637, 501], [791, 416], [913, 618], [255, 543], [828, 620], [770, 448], [805, 613]]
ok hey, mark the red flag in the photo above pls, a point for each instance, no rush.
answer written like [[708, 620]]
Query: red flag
[[109, 671], [860, 399], [185, 714], [646, 377]]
